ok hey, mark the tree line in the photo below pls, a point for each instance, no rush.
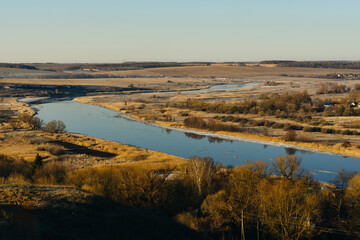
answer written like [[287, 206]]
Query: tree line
[[287, 105], [258, 200], [314, 64]]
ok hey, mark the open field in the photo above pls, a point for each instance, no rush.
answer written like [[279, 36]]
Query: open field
[[214, 74], [115, 82], [5, 71], [230, 71]]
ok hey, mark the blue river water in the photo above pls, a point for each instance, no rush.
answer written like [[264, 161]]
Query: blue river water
[[107, 124]]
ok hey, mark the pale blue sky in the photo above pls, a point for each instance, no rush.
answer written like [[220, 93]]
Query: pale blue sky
[[167, 30]]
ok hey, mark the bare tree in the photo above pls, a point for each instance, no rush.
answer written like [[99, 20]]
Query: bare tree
[[288, 167], [55, 126], [36, 123], [201, 172], [286, 208]]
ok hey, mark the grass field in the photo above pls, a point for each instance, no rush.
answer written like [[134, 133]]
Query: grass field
[[19, 71], [223, 70]]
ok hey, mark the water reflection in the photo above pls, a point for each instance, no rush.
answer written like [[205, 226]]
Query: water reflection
[[305, 152], [217, 140], [194, 136], [209, 138], [290, 151]]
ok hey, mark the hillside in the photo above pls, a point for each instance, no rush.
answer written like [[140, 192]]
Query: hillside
[[54, 212]]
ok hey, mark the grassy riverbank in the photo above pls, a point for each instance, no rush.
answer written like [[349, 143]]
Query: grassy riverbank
[[81, 151]]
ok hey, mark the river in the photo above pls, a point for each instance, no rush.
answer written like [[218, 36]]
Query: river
[[107, 124]]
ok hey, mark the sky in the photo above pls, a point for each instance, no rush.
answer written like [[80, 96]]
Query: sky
[[112, 31]]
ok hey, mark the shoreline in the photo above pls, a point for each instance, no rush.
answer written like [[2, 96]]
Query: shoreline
[[222, 135]]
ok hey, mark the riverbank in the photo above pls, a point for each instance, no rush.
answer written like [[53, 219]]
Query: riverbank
[[77, 150], [336, 149]]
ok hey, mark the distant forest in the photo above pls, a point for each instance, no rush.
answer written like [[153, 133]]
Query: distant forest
[[320, 64], [22, 66], [114, 66], [57, 67]]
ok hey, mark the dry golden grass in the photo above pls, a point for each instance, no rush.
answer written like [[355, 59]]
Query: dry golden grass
[[184, 74], [224, 70], [22, 144], [116, 82], [125, 155]]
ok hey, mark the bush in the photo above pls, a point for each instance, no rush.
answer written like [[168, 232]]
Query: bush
[[36, 123], [10, 166], [278, 125], [196, 122], [296, 127], [186, 114], [16, 179], [305, 138], [51, 173], [188, 219], [259, 123], [57, 151], [269, 123], [55, 126], [328, 130], [311, 129], [286, 127], [25, 117], [346, 132], [346, 144], [14, 124], [290, 135]]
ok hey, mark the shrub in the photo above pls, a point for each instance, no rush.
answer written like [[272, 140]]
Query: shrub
[[188, 219], [290, 135], [269, 123], [186, 114], [36, 123], [196, 122], [346, 144], [305, 138], [286, 127], [55, 126], [278, 125], [168, 118], [25, 117], [16, 179], [14, 124], [259, 123], [51, 173], [346, 132], [296, 127], [311, 129], [9, 166], [327, 130], [56, 150]]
